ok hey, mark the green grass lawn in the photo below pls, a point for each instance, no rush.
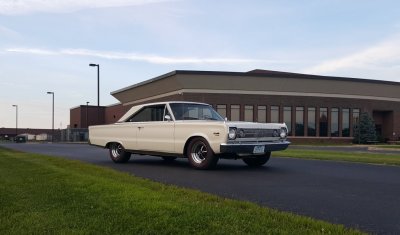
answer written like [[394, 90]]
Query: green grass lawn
[[392, 146], [40, 195], [387, 159]]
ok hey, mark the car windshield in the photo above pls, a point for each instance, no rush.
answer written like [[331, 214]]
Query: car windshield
[[188, 111]]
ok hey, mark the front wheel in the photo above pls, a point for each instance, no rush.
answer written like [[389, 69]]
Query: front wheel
[[200, 154], [118, 153], [257, 160]]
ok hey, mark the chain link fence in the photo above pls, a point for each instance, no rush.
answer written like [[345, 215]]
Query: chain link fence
[[74, 135]]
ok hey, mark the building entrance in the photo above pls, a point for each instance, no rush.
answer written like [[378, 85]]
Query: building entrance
[[383, 124]]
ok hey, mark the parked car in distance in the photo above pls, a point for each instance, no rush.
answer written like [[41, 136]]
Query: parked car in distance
[[189, 130]]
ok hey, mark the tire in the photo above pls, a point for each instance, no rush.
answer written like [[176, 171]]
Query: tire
[[118, 153], [200, 154], [258, 160], [169, 159]]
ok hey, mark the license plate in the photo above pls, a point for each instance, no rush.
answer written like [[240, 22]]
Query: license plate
[[259, 149]]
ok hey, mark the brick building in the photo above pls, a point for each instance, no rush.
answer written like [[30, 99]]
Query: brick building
[[315, 108]]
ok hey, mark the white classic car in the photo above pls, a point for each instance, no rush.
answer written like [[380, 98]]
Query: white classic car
[[190, 130]]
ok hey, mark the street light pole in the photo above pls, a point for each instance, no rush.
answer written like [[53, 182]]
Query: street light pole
[[52, 130], [98, 82], [87, 106], [16, 119]]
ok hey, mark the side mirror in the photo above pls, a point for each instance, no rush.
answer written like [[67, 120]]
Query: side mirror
[[226, 119], [167, 117]]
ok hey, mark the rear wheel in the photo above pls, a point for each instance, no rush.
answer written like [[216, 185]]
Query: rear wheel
[[118, 153], [200, 154], [257, 160]]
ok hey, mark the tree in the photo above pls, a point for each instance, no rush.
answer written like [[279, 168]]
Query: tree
[[364, 130]]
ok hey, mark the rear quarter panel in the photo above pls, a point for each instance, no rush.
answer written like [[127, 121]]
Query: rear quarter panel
[[124, 133]]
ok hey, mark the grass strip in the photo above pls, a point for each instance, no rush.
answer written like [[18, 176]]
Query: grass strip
[[393, 146], [40, 194], [385, 159]]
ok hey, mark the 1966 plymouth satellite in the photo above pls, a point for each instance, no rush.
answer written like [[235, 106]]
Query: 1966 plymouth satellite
[[190, 130]]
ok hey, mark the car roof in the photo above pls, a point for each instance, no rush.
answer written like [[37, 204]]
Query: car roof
[[171, 102]]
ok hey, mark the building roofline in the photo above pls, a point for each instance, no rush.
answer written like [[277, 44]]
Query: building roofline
[[257, 73], [112, 105], [90, 106], [146, 82], [269, 73]]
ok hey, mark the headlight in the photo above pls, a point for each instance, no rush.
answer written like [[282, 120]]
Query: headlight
[[283, 133], [232, 133]]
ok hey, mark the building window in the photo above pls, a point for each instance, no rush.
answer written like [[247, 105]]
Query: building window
[[323, 122], [335, 122], [299, 121], [345, 122], [235, 112], [248, 113], [221, 109], [275, 114], [311, 124], [287, 118], [356, 118], [262, 114]]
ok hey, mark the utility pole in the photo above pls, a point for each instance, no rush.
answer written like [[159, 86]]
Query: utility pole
[[98, 82], [16, 119], [52, 130]]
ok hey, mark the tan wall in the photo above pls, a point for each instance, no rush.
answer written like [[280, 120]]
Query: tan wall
[[148, 90], [251, 83], [257, 84]]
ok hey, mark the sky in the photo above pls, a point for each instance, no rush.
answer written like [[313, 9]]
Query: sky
[[47, 45]]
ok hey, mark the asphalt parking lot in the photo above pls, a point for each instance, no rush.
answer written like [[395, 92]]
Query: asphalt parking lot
[[361, 196]]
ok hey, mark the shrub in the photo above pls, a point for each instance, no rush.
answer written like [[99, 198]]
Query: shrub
[[364, 130]]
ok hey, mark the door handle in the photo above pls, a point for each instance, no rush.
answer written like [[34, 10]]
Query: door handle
[[140, 127]]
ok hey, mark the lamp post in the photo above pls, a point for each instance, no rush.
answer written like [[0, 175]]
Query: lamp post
[[16, 119], [52, 129], [87, 106], [98, 82]]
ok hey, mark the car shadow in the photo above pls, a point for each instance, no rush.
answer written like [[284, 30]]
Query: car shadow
[[223, 165]]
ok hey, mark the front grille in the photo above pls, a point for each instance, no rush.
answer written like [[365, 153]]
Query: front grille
[[257, 133]]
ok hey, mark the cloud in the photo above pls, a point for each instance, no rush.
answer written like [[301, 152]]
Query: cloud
[[152, 59], [32, 51], [383, 55], [7, 32], [16, 7]]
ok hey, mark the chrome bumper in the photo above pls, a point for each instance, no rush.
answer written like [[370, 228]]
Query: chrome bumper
[[248, 148]]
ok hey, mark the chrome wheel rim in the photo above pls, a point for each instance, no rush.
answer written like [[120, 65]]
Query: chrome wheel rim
[[199, 152], [116, 150]]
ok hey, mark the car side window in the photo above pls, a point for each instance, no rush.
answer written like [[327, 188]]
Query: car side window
[[149, 114]]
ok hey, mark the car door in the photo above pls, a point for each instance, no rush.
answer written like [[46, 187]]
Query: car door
[[156, 134]]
